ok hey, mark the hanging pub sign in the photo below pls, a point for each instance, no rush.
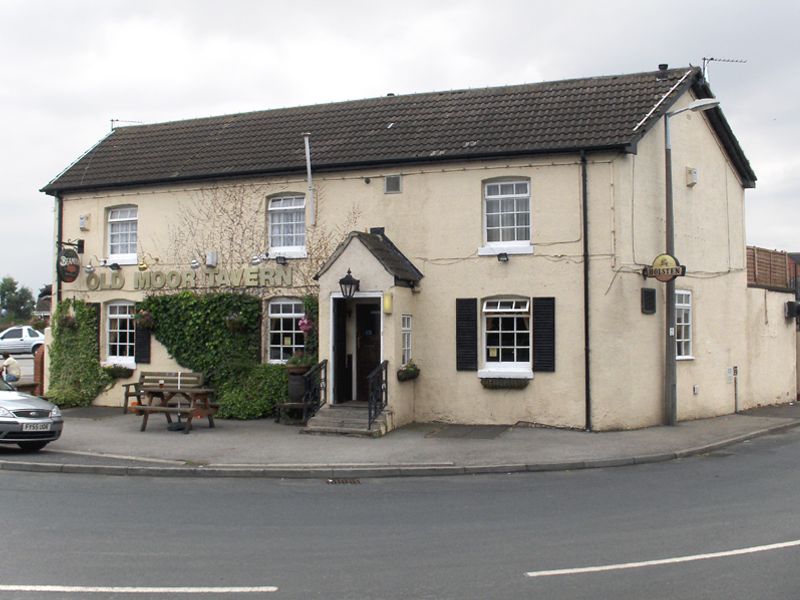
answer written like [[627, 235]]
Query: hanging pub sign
[[665, 268], [69, 265]]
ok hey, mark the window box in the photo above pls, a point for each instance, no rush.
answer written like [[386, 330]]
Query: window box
[[503, 383]]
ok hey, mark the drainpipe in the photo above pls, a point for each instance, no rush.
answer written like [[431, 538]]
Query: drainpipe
[[586, 346], [311, 204], [59, 239]]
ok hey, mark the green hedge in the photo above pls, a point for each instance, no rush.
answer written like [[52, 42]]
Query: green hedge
[[255, 396]]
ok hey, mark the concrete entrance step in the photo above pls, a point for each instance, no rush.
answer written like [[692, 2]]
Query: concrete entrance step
[[348, 420]]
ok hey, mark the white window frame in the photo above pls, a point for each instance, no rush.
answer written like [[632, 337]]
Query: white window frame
[[120, 216], [505, 308], [277, 245], [120, 322], [297, 338], [683, 325], [405, 335], [502, 192]]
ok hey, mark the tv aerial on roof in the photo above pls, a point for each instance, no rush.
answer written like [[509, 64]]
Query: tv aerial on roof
[[115, 122], [707, 60]]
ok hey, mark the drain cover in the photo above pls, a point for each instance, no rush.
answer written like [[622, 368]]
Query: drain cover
[[343, 481]]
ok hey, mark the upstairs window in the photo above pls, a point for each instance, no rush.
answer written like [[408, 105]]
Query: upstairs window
[[123, 225], [506, 217], [287, 225]]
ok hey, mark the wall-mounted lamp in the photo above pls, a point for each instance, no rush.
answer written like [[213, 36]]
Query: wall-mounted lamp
[[89, 268], [502, 257], [114, 266], [388, 303], [259, 258], [195, 264], [281, 260], [349, 285], [143, 264]]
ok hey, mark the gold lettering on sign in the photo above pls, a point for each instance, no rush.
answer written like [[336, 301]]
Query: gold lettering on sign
[[210, 278]]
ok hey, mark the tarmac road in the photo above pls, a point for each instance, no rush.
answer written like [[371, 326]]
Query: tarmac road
[[709, 522]]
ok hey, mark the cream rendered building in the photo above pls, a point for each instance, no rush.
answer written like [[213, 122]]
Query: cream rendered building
[[499, 238]]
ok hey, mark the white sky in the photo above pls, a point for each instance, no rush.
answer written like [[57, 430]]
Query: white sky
[[68, 67]]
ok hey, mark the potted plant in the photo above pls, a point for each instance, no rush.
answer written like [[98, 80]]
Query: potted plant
[[144, 319], [408, 371]]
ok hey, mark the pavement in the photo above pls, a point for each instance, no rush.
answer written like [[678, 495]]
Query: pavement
[[104, 441]]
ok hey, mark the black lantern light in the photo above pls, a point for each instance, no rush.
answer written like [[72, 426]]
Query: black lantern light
[[349, 285]]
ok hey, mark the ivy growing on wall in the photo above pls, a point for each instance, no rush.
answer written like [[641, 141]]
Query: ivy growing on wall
[[218, 335], [76, 376]]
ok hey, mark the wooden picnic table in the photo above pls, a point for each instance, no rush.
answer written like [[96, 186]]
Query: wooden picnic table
[[168, 400]]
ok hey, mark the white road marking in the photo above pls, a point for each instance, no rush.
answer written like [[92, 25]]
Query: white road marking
[[664, 561], [76, 589]]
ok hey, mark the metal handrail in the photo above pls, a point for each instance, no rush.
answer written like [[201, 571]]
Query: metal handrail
[[316, 384], [378, 392]]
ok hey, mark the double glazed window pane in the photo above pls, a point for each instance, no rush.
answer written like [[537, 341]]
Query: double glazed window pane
[[508, 212], [121, 332], [507, 337], [122, 230], [287, 222], [285, 336]]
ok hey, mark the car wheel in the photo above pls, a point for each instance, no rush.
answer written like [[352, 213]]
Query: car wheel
[[35, 347], [32, 446]]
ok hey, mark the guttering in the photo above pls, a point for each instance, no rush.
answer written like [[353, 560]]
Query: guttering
[[587, 392], [59, 239]]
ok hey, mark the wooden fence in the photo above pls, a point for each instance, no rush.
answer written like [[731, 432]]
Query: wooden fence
[[771, 269]]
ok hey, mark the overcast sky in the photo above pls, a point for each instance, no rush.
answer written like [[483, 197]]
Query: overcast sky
[[68, 67]]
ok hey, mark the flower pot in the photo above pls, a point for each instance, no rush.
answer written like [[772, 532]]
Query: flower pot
[[297, 387], [407, 375]]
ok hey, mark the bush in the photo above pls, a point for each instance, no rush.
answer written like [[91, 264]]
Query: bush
[[256, 395], [76, 376]]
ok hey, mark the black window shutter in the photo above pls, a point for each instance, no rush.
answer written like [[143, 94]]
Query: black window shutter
[[544, 334], [141, 346], [466, 334]]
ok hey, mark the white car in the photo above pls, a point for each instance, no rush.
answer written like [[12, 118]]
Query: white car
[[27, 421], [20, 339]]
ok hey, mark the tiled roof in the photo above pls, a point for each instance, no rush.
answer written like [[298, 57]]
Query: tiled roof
[[385, 252], [590, 114]]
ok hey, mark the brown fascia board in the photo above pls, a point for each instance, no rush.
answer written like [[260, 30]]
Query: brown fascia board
[[625, 147]]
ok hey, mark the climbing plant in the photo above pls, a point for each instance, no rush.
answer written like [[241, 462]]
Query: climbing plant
[[216, 334], [76, 376]]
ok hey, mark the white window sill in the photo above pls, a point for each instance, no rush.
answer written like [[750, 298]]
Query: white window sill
[[494, 250], [496, 373], [122, 259], [120, 361], [684, 358], [288, 253]]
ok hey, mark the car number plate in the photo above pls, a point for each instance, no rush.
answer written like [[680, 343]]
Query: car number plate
[[36, 427]]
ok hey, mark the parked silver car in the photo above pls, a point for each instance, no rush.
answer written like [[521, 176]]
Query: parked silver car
[[26, 420], [20, 339]]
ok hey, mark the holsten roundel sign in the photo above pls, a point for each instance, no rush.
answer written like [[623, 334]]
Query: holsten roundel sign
[[665, 268]]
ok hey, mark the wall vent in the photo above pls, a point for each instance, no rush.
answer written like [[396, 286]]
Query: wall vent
[[392, 184]]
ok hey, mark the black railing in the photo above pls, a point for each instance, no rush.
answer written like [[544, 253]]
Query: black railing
[[316, 384], [378, 392]]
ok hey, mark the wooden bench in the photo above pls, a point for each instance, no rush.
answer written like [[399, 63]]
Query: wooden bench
[[153, 380]]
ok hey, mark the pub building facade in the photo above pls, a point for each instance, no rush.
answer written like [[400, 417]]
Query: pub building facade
[[499, 238]]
